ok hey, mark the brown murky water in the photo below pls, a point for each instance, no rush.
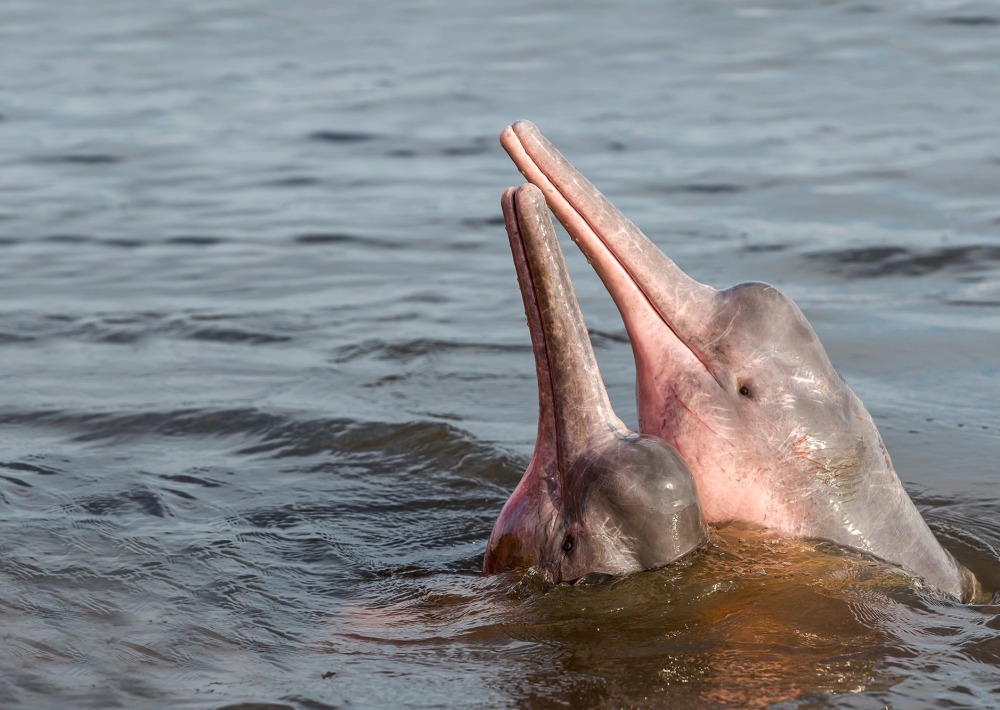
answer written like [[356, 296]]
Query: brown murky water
[[265, 381]]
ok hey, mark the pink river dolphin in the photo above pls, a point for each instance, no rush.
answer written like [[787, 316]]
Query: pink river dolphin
[[738, 383], [596, 498]]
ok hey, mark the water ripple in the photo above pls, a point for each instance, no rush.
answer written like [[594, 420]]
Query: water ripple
[[874, 262]]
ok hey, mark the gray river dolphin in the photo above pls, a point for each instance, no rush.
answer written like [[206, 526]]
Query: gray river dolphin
[[596, 497], [737, 381]]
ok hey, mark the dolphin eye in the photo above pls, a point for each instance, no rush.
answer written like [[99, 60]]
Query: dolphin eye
[[567, 546], [744, 391]]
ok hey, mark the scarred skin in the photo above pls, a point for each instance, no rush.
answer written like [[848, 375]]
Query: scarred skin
[[596, 497], [737, 381]]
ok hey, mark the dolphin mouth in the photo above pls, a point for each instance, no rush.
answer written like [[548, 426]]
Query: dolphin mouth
[[537, 166], [635, 271], [573, 403], [548, 409]]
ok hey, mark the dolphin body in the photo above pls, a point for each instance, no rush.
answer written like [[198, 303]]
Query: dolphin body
[[596, 497], [737, 381]]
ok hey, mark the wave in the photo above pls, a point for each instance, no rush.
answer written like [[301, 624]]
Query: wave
[[873, 262]]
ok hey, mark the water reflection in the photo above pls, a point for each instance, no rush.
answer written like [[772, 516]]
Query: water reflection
[[749, 621]]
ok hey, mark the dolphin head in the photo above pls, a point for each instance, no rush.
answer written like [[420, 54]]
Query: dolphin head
[[738, 383], [596, 497]]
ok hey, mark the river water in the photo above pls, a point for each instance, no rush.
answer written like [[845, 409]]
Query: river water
[[265, 381]]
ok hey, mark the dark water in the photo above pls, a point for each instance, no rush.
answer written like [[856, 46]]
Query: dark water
[[265, 381]]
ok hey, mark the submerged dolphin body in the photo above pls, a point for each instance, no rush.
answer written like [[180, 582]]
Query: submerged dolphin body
[[596, 497], [737, 381]]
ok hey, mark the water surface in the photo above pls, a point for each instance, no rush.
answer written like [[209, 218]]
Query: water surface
[[265, 381]]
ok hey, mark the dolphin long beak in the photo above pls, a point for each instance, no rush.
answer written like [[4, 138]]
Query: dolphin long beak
[[651, 292], [573, 403]]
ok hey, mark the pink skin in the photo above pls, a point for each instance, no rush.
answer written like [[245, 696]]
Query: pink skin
[[596, 497], [737, 381]]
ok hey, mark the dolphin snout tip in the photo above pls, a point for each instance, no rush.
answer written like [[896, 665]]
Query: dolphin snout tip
[[516, 129], [529, 197]]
